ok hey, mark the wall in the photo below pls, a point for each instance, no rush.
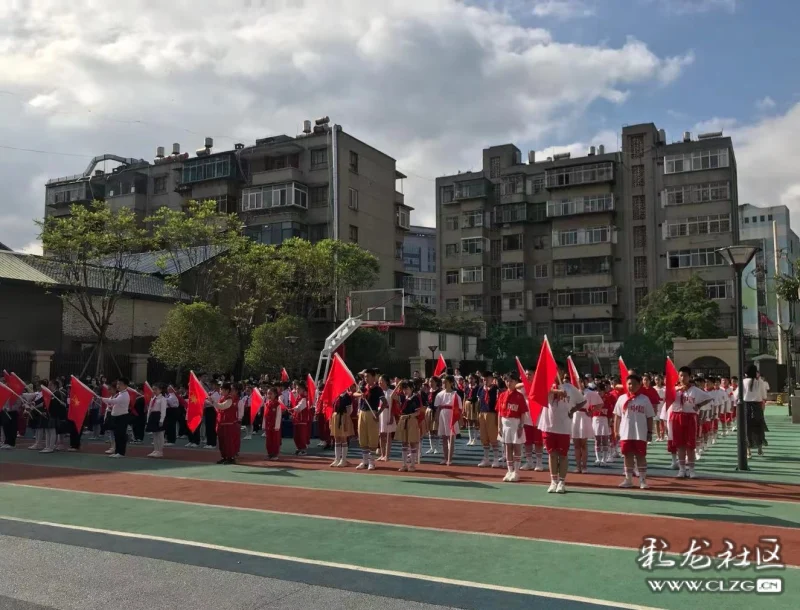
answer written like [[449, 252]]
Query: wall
[[30, 318], [685, 351]]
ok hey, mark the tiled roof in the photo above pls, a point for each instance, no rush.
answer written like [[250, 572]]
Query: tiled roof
[[148, 262]]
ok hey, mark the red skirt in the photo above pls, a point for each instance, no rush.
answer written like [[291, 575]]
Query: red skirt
[[533, 436], [301, 433], [324, 428], [273, 442], [230, 439]]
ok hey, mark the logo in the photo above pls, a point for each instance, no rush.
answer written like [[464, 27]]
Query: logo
[[769, 585]]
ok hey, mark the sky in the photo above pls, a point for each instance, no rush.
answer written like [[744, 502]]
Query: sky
[[429, 82]]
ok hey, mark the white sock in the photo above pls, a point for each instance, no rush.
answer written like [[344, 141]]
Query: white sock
[[597, 451], [404, 453], [486, 453]]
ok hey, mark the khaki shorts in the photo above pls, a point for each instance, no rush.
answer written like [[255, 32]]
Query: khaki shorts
[[367, 430], [471, 410], [342, 426], [407, 429], [431, 417], [488, 428]]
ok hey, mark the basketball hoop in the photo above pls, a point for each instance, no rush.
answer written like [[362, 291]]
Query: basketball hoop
[[382, 328]]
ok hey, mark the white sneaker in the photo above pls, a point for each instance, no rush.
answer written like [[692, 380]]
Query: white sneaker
[[598, 462], [116, 456], [675, 466], [538, 467], [484, 463], [403, 468], [371, 466], [151, 454], [35, 448], [553, 487], [343, 463], [157, 454], [496, 464], [335, 463], [643, 485], [5, 447], [626, 484], [507, 478], [514, 477], [412, 467], [209, 447], [430, 451], [681, 473], [361, 466], [47, 450], [72, 450], [561, 488], [526, 466], [110, 451], [636, 472], [692, 474], [169, 444], [250, 437]]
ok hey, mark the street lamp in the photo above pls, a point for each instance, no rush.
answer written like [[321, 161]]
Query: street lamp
[[739, 256], [787, 329], [292, 341], [433, 349]]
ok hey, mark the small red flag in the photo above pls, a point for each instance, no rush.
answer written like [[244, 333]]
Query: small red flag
[[339, 380], [148, 393], [670, 382], [456, 413], [132, 407], [284, 375], [197, 398], [80, 397], [5, 394], [623, 371], [312, 391], [523, 377], [441, 366], [47, 397], [14, 383], [574, 378], [546, 373], [256, 402]]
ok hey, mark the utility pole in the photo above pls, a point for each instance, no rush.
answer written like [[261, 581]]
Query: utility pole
[[778, 320]]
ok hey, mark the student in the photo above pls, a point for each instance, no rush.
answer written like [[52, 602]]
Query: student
[[556, 426], [272, 424], [243, 410], [513, 408], [755, 392], [582, 429], [600, 425], [172, 418], [408, 426], [119, 415], [448, 407], [487, 421], [229, 433], [300, 413], [431, 419], [633, 422], [472, 408], [725, 419], [342, 426], [683, 421], [138, 419], [371, 400], [156, 416], [386, 423], [660, 418]]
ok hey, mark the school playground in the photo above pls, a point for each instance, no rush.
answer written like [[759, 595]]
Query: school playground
[[448, 537]]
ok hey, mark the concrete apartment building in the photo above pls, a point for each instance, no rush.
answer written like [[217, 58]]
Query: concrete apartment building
[[570, 247], [761, 305], [419, 263], [319, 184]]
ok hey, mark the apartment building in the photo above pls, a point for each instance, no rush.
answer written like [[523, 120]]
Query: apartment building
[[323, 183], [570, 247], [419, 263]]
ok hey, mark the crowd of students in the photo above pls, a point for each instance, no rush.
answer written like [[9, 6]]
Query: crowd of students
[[421, 415]]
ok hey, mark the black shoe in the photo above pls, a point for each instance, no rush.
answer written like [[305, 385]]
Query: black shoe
[[231, 461], [222, 461]]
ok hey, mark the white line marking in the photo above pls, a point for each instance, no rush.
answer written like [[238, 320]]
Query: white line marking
[[341, 566]]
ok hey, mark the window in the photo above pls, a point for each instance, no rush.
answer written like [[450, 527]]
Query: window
[[512, 301], [698, 257], [585, 296], [353, 200], [159, 185], [566, 238], [597, 235], [585, 327], [319, 158], [512, 185], [450, 250], [317, 232], [276, 233], [696, 193], [762, 218], [512, 271], [471, 275], [540, 271], [495, 303], [451, 277], [470, 190], [592, 265], [353, 162], [354, 234], [473, 245], [398, 250], [542, 299], [512, 242], [696, 161], [747, 220], [494, 250], [494, 278], [639, 295], [535, 185], [719, 290], [473, 219], [700, 225], [206, 168], [580, 205], [769, 217], [447, 194], [451, 304], [403, 217], [542, 329], [472, 302], [637, 175], [274, 196], [318, 196], [636, 145], [518, 328], [639, 237], [640, 267], [515, 212], [579, 174], [494, 167], [639, 209], [442, 342], [538, 212], [451, 223]]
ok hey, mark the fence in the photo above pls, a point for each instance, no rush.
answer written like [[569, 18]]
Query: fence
[[159, 372], [74, 363], [19, 362]]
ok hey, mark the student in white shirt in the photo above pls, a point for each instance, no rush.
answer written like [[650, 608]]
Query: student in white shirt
[[755, 391], [633, 423], [156, 415], [555, 422], [727, 409], [683, 421], [118, 416]]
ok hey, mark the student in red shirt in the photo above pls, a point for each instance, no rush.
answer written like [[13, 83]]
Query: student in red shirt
[[512, 411]]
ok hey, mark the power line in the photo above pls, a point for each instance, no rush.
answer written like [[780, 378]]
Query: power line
[[45, 152]]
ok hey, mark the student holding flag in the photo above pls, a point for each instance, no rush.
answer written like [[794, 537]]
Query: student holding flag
[[120, 405], [272, 421], [448, 408]]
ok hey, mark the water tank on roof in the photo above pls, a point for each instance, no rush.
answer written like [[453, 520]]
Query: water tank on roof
[[687, 136], [306, 126], [531, 157], [323, 121], [601, 150], [160, 152], [591, 151], [662, 136], [176, 149], [209, 143]]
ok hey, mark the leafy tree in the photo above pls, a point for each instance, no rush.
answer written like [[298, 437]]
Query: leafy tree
[[787, 287], [75, 247], [270, 350], [366, 347], [503, 348], [679, 309], [196, 336], [642, 352]]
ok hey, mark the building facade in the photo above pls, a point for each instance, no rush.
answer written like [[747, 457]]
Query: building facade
[[323, 183], [570, 247], [419, 264]]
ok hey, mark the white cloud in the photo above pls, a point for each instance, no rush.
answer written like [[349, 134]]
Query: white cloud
[[34, 247], [766, 103], [693, 7], [563, 9], [430, 82]]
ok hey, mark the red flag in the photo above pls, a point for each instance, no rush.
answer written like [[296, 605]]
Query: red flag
[[339, 379], [105, 391], [623, 371], [441, 366], [5, 394], [47, 397], [132, 407], [148, 393], [256, 402], [574, 378], [670, 382], [14, 383], [456, 413], [546, 373], [197, 398], [523, 377], [80, 397], [312, 391], [284, 375]]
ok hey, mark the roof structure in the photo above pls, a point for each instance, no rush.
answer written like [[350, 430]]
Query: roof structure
[[160, 262]]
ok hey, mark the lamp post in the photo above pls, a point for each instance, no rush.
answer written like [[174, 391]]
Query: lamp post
[[292, 341], [787, 330], [433, 349], [739, 256]]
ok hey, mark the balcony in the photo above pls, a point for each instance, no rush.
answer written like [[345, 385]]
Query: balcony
[[275, 196], [472, 189], [575, 175], [585, 237], [277, 176], [580, 205], [403, 218]]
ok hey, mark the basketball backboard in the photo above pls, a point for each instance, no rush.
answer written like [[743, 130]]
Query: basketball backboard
[[378, 308]]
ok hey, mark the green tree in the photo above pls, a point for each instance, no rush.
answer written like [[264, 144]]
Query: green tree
[[502, 347], [90, 253], [286, 342], [679, 309], [787, 287], [642, 352], [196, 336], [366, 347]]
